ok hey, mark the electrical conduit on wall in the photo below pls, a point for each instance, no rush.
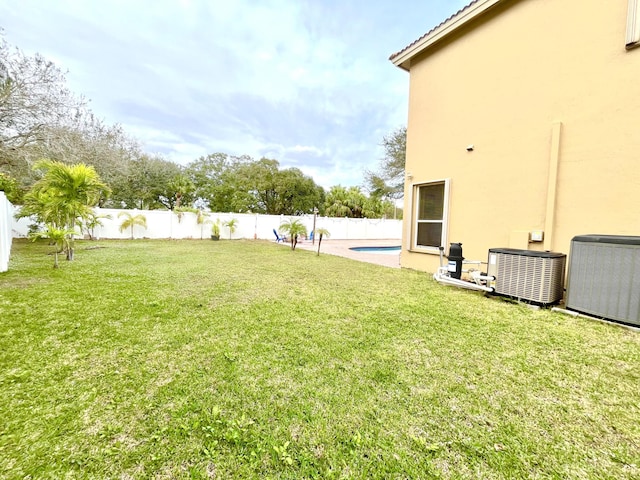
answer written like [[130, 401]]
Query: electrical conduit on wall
[[552, 183]]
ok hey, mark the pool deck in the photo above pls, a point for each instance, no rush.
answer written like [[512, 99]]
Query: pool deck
[[341, 249]]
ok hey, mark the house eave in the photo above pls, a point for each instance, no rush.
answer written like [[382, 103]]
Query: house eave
[[403, 58]]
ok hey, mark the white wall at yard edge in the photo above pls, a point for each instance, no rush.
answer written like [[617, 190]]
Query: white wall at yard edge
[[165, 224], [6, 231]]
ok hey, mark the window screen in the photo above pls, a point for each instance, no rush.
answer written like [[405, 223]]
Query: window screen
[[430, 214]]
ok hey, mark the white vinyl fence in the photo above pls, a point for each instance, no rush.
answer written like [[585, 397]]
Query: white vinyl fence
[[167, 224], [6, 231]]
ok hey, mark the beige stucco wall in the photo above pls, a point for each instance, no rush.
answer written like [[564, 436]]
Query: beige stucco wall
[[504, 84]]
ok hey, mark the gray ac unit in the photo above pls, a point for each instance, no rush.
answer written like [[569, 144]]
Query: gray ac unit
[[604, 277], [536, 277]]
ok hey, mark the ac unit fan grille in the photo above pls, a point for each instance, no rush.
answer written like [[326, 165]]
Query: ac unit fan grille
[[604, 277], [532, 278]]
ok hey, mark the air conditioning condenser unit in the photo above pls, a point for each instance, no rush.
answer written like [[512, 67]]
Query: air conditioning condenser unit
[[604, 277], [533, 276]]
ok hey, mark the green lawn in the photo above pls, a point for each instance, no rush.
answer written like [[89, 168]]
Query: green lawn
[[243, 359]]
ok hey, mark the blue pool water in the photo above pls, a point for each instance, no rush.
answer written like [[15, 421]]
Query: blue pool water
[[384, 250]]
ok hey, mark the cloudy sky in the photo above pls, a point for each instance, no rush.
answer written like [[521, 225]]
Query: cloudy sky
[[307, 82]]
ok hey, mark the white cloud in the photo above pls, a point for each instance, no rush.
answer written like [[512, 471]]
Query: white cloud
[[305, 82], [304, 149]]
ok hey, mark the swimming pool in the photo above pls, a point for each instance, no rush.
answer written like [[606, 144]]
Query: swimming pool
[[392, 250]]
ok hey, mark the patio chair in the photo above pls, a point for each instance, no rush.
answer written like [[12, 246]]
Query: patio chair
[[279, 238]]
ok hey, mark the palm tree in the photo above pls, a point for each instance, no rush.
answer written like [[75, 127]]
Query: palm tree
[[93, 220], [131, 221], [231, 225], [181, 185], [322, 232], [202, 219], [294, 228], [59, 238], [64, 195]]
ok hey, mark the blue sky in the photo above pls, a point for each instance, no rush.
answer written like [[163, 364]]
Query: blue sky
[[306, 82]]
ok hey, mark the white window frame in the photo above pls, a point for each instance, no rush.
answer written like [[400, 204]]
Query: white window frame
[[633, 25], [445, 215]]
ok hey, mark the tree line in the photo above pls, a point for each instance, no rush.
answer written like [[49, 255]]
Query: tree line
[[42, 120]]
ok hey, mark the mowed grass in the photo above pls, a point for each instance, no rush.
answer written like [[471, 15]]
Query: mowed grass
[[243, 359]]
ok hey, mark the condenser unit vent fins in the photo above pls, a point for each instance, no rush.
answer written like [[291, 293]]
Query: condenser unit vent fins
[[604, 277], [536, 277]]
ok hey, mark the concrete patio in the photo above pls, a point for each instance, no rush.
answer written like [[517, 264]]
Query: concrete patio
[[341, 248]]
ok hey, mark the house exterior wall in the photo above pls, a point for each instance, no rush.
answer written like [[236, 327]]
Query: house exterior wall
[[548, 96]]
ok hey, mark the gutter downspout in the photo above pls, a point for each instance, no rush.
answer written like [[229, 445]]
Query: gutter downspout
[[552, 184]]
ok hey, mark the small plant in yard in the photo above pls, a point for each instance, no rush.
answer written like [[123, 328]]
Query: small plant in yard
[[283, 454], [202, 219], [131, 221], [232, 225], [215, 230], [294, 228], [59, 240], [321, 232], [91, 222]]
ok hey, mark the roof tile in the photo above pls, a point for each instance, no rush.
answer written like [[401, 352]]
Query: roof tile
[[433, 29]]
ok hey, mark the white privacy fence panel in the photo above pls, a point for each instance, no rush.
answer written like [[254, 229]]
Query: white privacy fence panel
[[167, 224], [6, 231]]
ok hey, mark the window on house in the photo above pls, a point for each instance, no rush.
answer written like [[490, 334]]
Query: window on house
[[431, 214], [633, 24]]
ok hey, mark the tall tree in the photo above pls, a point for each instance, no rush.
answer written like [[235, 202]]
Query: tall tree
[[241, 184], [33, 97], [259, 178], [280, 192], [346, 202], [41, 118], [181, 188], [218, 182], [297, 193], [352, 203], [337, 203], [388, 181], [107, 148], [148, 185]]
